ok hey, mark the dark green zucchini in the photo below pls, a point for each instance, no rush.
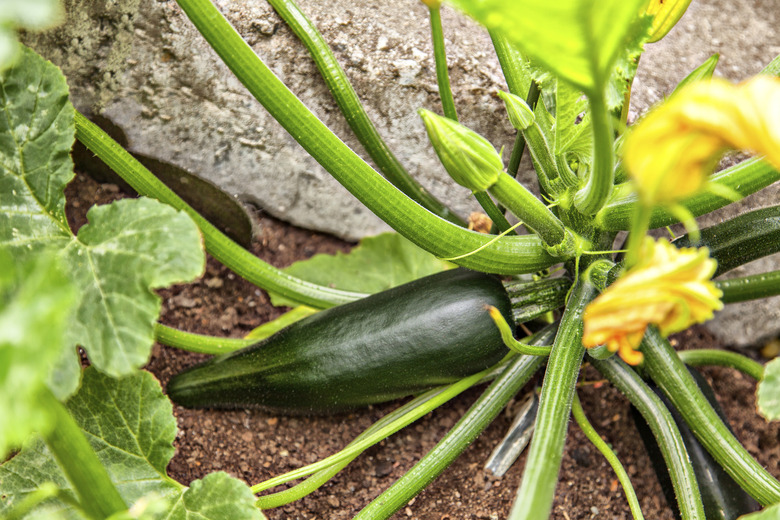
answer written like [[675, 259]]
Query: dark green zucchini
[[722, 498], [402, 341]]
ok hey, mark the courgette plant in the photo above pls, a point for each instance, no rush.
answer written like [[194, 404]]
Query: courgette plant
[[94, 443]]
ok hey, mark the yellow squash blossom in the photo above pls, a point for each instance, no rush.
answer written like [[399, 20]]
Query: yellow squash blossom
[[666, 13], [670, 288], [673, 149]]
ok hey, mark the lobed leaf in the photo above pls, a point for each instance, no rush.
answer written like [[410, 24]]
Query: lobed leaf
[[130, 425], [35, 303], [127, 249]]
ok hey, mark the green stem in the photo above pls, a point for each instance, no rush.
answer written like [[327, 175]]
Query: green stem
[[535, 497], [542, 157], [319, 478], [516, 73], [353, 110], [475, 420], [535, 298], [592, 197], [639, 227], [198, 342], [670, 373], [665, 431], [439, 397], [507, 335], [448, 107], [750, 287], [493, 212], [534, 214], [97, 495], [582, 421], [508, 255], [722, 358], [745, 178], [440, 57], [235, 257]]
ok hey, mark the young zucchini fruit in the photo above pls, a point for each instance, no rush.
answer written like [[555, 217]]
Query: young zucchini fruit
[[429, 332]]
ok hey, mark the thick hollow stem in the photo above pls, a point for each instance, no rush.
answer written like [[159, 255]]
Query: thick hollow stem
[[353, 110], [508, 255], [723, 358], [525, 206], [534, 499], [750, 287], [478, 417], [669, 372], [745, 178], [235, 257], [594, 194]]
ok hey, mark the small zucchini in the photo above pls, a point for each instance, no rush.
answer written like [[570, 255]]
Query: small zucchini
[[432, 331], [722, 498]]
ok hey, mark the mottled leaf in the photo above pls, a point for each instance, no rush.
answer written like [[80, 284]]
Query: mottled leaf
[[127, 249], [376, 264], [768, 391], [36, 300], [216, 497], [130, 425]]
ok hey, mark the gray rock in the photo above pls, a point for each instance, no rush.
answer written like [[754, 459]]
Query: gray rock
[[142, 64]]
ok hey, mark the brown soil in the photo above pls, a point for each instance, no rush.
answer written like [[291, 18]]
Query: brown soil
[[254, 445]]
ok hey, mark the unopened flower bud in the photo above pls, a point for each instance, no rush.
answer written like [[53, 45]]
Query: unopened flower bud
[[434, 4], [520, 114], [468, 157]]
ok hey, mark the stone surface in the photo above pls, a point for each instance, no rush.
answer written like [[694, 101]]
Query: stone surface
[[142, 64]]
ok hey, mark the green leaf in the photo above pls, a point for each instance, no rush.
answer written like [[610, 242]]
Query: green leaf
[[571, 135], [376, 264], [578, 40], [216, 497], [768, 391], [130, 425], [36, 135], [769, 513], [127, 249], [36, 301]]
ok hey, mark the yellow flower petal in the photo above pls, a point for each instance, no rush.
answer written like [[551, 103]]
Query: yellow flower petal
[[666, 14], [669, 287], [673, 149]]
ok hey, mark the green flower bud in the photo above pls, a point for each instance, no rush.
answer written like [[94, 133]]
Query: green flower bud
[[520, 114], [468, 157]]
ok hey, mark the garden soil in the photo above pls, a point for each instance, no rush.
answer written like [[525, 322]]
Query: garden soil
[[254, 445]]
